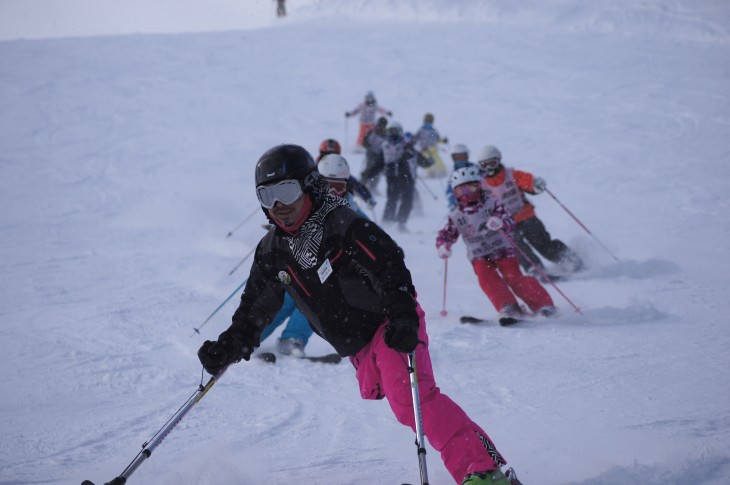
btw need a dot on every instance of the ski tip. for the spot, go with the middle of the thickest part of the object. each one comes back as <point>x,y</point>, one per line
<point>507,321</point>
<point>469,319</point>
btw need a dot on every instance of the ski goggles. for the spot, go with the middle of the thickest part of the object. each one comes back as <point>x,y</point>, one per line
<point>490,163</point>
<point>337,186</point>
<point>464,190</point>
<point>287,192</point>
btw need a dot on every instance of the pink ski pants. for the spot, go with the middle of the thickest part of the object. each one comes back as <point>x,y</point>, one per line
<point>383,372</point>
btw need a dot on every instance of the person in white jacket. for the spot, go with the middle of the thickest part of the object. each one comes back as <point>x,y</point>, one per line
<point>368,111</point>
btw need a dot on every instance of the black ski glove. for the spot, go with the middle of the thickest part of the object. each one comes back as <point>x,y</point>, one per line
<point>401,334</point>
<point>230,348</point>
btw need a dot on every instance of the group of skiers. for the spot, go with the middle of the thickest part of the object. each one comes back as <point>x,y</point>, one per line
<point>328,269</point>
<point>396,154</point>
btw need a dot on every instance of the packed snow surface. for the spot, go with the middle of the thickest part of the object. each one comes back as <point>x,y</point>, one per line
<point>128,136</point>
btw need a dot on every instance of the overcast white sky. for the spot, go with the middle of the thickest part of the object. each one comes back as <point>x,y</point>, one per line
<point>37,19</point>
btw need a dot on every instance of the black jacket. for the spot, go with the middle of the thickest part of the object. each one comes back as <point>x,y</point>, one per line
<point>368,282</point>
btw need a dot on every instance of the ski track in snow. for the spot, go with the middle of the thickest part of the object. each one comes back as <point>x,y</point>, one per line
<point>127,159</point>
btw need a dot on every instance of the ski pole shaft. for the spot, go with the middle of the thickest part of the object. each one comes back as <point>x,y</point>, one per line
<point>446,272</point>
<point>428,189</point>
<point>346,145</point>
<point>149,446</point>
<point>241,262</point>
<point>197,330</point>
<point>230,233</point>
<point>375,214</point>
<point>542,273</point>
<point>581,224</point>
<point>419,421</point>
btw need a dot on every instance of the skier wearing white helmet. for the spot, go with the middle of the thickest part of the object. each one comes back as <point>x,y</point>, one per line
<point>487,229</point>
<point>336,171</point>
<point>509,186</point>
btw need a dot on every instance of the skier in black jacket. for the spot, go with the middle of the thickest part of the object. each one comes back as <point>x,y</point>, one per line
<point>349,278</point>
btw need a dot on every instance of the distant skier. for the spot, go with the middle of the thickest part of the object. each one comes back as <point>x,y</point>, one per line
<point>373,144</point>
<point>354,186</point>
<point>400,158</point>
<point>368,110</point>
<point>509,186</point>
<point>350,279</point>
<point>281,8</point>
<point>479,221</point>
<point>428,138</point>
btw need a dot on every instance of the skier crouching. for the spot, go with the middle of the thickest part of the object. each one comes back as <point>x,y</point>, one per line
<point>486,226</point>
<point>349,278</point>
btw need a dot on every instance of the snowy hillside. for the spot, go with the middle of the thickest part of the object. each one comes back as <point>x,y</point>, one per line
<point>126,159</point>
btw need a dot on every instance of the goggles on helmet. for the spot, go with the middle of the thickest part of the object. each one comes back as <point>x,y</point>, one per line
<point>490,163</point>
<point>337,186</point>
<point>287,192</point>
<point>465,190</point>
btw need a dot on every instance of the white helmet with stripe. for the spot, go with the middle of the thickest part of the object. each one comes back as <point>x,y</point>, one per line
<point>465,175</point>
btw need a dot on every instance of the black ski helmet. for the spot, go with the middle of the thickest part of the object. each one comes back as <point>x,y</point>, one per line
<point>289,162</point>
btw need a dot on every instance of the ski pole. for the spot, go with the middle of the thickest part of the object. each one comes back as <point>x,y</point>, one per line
<point>581,224</point>
<point>230,233</point>
<point>542,273</point>
<point>428,189</point>
<point>346,145</point>
<point>149,446</point>
<point>446,271</point>
<point>375,214</point>
<point>241,262</point>
<point>197,330</point>
<point>419,422</point>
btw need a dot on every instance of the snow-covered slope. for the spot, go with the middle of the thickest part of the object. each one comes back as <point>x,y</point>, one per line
<point>125,161</point>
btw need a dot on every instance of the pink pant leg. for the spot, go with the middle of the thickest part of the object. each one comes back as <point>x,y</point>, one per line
<point>381,371</point>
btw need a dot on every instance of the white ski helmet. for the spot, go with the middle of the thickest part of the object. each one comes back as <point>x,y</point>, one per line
<point>489,152</point>
<point>334,166</point>
<point>465,175</point>
<point>460,149</point>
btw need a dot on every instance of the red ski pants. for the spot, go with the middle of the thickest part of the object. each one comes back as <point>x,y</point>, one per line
<point>383,372</point>
<point>501,278</point>
<point>364,129</point>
